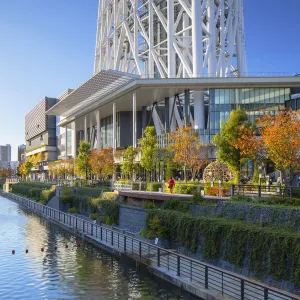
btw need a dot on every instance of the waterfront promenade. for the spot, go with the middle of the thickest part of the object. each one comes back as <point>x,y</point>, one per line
<point>200,279</point>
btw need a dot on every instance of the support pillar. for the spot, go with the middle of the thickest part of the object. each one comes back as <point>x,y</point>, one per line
<point>114,144</point>
<point>90,135</point>
<point>134,120</point>
<point>85,129</point>
<point>144,118</point>
<point>187,107</point>
<point>98,120</point>
<point>197,47</point>
<point>74,142</point>
<point>66,142</point>
<point>167,115</point>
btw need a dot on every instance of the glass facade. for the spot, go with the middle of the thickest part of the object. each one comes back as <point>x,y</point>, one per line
<point>255,101</point>
<point>107,131</point>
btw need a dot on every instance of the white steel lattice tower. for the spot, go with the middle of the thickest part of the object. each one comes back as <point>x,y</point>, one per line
<point>171,38</point>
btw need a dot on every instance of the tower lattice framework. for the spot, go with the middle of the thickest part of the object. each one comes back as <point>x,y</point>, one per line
<point>171,38</point>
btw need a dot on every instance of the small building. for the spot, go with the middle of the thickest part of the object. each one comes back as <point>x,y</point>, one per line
<point>40,136</point>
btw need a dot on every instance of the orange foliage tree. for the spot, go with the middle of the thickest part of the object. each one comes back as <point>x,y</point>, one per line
<point>280,135</point>
<point>185,143</point>
<point>102,162</point>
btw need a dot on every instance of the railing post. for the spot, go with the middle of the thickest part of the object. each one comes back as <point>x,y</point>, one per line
<point>266,294</point>
<point>101,233</point>
<point>232,190</point>
<point>125,243</point>
<point>158,257</point>
<point>259,191</point>
<point>206,277</point>
<point>178,265</point>
<point>242,289</point>
<point>140,249</point>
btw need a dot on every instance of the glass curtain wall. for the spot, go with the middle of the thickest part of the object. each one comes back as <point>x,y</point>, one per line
<point>107,131</point>
<point>255,101</point>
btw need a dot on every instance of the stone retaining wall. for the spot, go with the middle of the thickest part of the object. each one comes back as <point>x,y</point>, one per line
<point>132,218</point>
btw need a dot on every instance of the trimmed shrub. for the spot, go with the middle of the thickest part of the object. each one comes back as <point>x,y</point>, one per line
<point>176,204</point>
<point>35,193</point>
<point>111,211</point>
<point>73,210</point>
<point>89,192</point>
<point>154,186</point>
<point>95,216</point>
<point>108,196</point>
<point>149,205</point>
<point>66,194</point>
<point>46,195</point>
<point>185,188</point>
<point>218,191</point>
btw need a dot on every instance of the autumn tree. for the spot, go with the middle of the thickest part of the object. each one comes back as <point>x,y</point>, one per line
<point>27,167</point>
<point>129,165</point>
<point>65,168</point>
<point>83,165</point>
<point>187,149</point>
<point>149,155</point>
<point>53,169</point>
<point>280,135</point>
<point>102,162</point>
<point>225,141</point>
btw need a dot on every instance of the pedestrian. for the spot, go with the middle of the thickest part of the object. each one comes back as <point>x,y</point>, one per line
<point>171,184</point>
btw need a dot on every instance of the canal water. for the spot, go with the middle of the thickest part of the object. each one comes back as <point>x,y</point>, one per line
<point>74,272</point>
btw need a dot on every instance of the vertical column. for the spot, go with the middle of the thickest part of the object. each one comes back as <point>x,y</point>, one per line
<point>74,142</point>
<point>85,129</point>
<point>66,144</point>
<point>199,113</point>
<point>98,118</point>
<point>187,107</point>
<point>114,128</point>
<point>144,118</point>
<point>151,36</point>
<point>170,34</point>
<point>134,120</point>
<point>212,60</point>
<point>167,115</point>
<point>90,135</point>
<point>185,24</point>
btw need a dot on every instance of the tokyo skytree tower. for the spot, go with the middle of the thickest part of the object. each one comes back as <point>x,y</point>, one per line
<point>171,38</point>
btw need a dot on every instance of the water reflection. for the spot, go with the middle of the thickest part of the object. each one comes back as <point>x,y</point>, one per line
<point>66,273</point>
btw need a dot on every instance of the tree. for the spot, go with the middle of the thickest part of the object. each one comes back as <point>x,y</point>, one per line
<point>53,169</point>
<point>187,148</point>
<point>27,167</point>
<point>102,162</point>
<point>129,165</point>
<point>149,149</point>
<point>280,135</point>
<point>229,134</point>
<point>83,165</point>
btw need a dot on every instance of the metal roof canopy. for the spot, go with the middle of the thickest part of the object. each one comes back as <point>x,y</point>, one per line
<point>109,86</point>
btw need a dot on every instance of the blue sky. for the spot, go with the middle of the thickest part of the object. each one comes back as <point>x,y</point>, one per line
<point>47,46</point>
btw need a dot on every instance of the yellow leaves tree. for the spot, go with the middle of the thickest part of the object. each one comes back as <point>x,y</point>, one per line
<point>102,162</point>
<point>185,143</point>
<point>280,135</point>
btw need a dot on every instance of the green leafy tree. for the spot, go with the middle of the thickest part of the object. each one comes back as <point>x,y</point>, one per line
<point>149,149</point>
<point>129,165</point>
<point>229,134</point>
<point>83,166</point>
<point>27,168</point>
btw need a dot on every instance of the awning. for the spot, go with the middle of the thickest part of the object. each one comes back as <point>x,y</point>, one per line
<point>100,85</point>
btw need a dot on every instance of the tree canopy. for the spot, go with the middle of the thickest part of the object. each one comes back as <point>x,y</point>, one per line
<point>83,166</point>
<point>231,131</point>
<point>102,162</point>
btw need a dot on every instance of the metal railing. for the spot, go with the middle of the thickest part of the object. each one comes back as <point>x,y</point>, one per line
<point>211,278</point>
<point>265,190</point>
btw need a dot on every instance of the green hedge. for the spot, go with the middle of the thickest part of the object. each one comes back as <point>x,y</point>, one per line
<point>271,200</point>
<point>66,195</point>
<point>111,211</point>
<point>89,192</point>
<point>155,186</point>
<point>271,251</point>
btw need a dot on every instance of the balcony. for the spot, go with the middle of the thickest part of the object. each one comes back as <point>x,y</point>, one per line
<point>43,148</point>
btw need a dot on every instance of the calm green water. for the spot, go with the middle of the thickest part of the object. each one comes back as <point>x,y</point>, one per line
<point>65,273</point>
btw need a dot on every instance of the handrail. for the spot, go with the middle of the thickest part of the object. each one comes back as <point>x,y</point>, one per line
<point>214,278</point>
